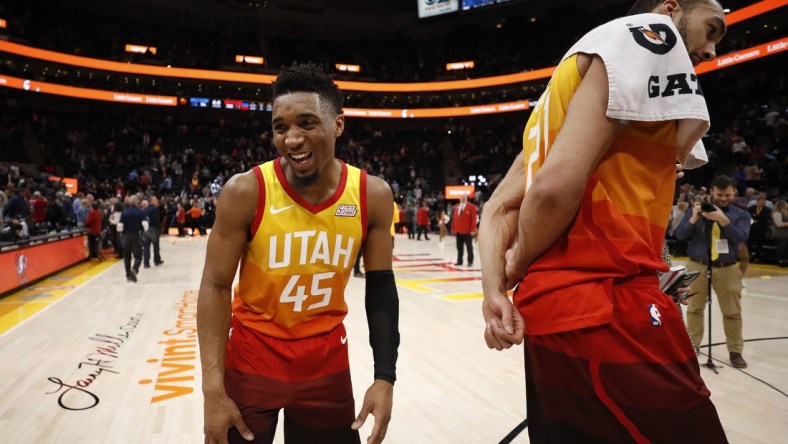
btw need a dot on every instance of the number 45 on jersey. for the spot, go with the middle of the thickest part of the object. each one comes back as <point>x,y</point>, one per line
<point>297,293</point>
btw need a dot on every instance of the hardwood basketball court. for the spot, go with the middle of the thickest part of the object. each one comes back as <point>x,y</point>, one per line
<point>90,358</point>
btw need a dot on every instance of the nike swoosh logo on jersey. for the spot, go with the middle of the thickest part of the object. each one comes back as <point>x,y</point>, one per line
<point>279,210</point>
<point>343,339</point>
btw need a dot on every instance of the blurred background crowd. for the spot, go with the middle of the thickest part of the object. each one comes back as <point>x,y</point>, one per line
<point>183,156</point>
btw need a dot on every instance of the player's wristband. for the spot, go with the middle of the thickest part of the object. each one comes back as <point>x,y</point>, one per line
<point>382,306</point>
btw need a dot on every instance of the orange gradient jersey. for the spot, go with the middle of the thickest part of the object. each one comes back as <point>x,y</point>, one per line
<point>620,225</point>
<point>300,257</point>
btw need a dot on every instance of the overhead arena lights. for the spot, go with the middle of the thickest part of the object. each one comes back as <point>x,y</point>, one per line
<point>249,60</point>
<point>725,61</point>
<point>140,49</point>
<point>347,68</point>
<point>739,15</point>
<point>86,93</point>
<point>453,66</point>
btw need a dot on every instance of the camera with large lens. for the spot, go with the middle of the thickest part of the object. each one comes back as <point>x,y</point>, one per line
<point>707,207</point>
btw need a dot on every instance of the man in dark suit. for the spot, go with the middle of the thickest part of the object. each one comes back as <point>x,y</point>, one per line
<point>463,225</point>
<point>132,224</point>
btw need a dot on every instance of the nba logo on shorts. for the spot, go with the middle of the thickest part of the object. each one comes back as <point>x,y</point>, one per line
<point>655,315</point>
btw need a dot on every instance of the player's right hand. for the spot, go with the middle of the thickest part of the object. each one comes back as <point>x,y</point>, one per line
<point>221,413</point>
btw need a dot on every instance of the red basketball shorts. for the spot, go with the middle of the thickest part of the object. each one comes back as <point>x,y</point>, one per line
<point>308,378</point>
<point>635,379</point>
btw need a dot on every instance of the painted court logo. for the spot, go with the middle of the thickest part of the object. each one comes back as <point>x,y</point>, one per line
<point>102,358</point>
<point>21,267</point>
<point>346,211</point>
<point>657,38</point>
<point>177,363</point>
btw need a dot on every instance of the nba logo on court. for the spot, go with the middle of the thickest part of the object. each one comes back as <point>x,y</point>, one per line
<point>655,315</point>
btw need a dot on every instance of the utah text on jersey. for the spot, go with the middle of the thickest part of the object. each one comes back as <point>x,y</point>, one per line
<point>296,245</point>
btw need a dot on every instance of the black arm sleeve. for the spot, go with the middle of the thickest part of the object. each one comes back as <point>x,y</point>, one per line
<point>382,306</point>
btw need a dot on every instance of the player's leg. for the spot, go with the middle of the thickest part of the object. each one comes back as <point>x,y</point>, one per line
<point>256,380</point>
<point>538,430</point>
<point>323,408</point>
<point>634,379</point>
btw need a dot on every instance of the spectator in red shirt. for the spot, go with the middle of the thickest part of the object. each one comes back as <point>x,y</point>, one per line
<point>463,224</point>
<point>93,225</point>
<point>38,207</point>
<point>423,221</point>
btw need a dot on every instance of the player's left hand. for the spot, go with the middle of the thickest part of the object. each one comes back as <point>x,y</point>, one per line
<point>504,325</point>
<point>679,171</point>
<point>378,401</point>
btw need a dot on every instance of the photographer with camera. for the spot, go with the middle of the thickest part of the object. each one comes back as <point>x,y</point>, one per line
<point>730,226</point>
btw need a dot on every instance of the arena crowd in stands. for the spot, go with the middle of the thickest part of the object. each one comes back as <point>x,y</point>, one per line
<point>195,38</point>
<point>185,158</point>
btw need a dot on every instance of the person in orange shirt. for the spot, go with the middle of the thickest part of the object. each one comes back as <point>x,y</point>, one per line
<point>578,224</point>
<point>296,225</point>
<point>195,218</point>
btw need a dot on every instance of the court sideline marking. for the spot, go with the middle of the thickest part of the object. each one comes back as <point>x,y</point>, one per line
<point>24,304</point>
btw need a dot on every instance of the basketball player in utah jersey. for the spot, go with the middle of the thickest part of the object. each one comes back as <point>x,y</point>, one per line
<point>578,224</point>
<point>296,224</point>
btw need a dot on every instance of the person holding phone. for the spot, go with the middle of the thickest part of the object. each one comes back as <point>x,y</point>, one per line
<point>730,226</point>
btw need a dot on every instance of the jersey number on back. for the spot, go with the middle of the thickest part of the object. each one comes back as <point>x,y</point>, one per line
<point>299,296</point>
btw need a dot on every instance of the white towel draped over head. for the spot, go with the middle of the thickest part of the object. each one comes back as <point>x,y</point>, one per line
<point>651,78</point>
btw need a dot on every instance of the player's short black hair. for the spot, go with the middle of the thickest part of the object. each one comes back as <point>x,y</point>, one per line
<point>308,77</point>
<point>645,6</point>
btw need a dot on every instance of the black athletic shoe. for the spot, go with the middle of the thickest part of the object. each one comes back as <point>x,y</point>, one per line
<point>158,263</point>
<point>131,278</point>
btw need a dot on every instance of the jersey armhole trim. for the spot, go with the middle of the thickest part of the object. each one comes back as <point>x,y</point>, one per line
<point>258,215</point>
